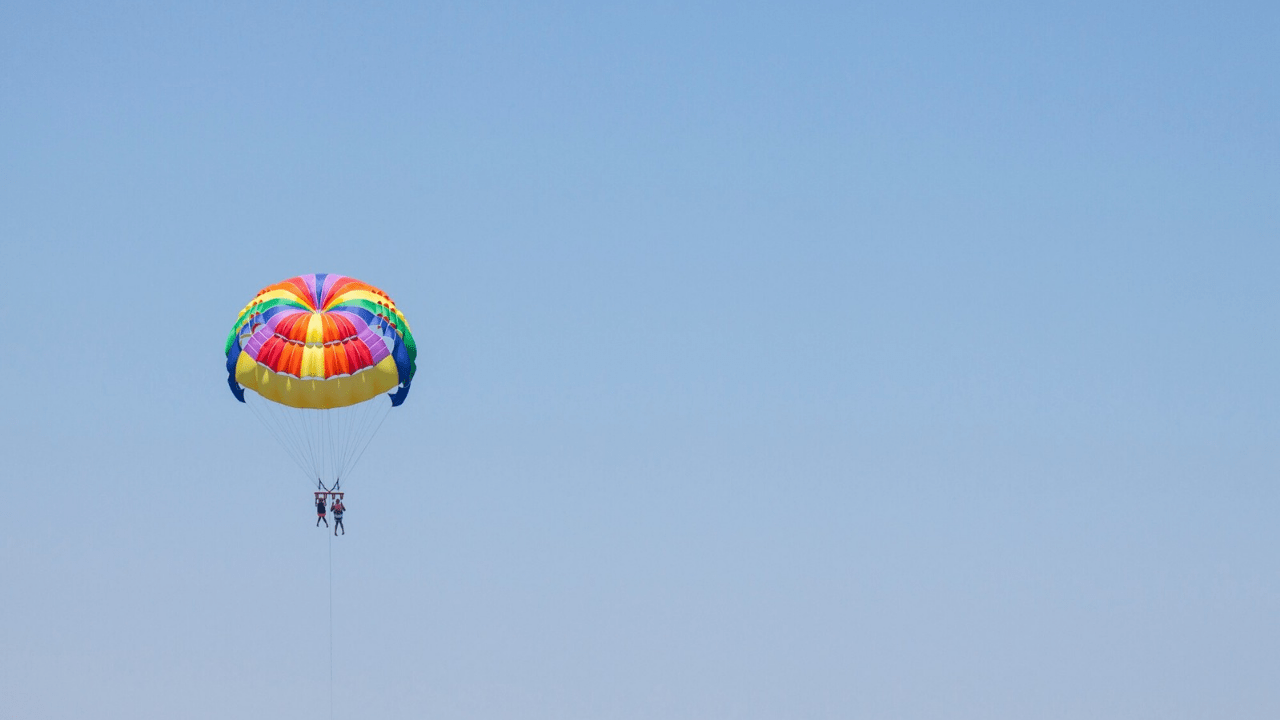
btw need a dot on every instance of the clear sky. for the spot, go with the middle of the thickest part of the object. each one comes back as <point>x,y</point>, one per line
<point>778,360</point>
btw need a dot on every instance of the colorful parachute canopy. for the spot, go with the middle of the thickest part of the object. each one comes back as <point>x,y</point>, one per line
<point>321,355</point>
<point>321,341</point>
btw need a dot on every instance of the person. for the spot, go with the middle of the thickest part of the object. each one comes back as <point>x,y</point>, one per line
<point>338,509</point>
<point>320,510</point>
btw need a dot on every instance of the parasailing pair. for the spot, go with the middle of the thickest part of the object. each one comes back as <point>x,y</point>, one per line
<point>321,360</point>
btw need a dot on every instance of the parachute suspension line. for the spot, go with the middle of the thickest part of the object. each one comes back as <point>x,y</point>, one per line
<point>317,458</point>
<point>305,433</point>
<point>369,439</point>
<point>336,438</point>
<point>276,431</point>
<point>359,427</point>
<point>373,422</point>
<point>325,444</point>
<point>357,416</point>
<point>283,432</point>
<point>315,419</point>
<point>325,419</point>
<point>287,428</point>
<point>296,430</point>
<point>381,418</point>
<point>301,424</point>
<point>310,434</point>
<point>344,437</point>
<point>356,430</point>
<point>298,421</point>
<point>253,407</point>
<point>330,421</point>
<point>313,434</point>
<point>350,434</point>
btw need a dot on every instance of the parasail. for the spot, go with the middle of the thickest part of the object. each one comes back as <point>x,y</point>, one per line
<point>321,359</point>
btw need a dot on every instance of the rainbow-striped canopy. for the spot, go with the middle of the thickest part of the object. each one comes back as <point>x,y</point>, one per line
<point>321,341</point>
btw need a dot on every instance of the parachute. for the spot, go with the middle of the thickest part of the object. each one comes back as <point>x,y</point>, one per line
<point>321,360</point>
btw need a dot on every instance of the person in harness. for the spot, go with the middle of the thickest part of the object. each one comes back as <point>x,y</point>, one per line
<point>338,509</point>
<point>320,511</point>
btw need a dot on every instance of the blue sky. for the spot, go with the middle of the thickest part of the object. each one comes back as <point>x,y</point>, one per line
<point>898,360</point>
